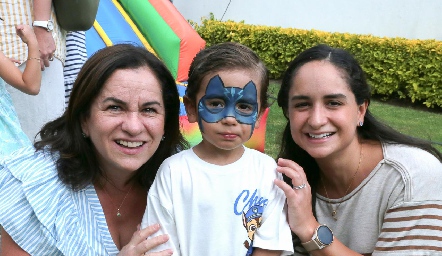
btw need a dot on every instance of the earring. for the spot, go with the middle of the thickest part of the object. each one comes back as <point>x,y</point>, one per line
<point>162,138</point>
<point>84,135</point>
<point>361,123</point>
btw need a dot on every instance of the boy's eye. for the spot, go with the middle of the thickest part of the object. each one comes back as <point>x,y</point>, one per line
<point>214,104</point>
<point>245,108</point>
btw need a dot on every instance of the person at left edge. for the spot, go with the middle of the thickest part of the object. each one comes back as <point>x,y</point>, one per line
<point>34,111</point>
<point>11,135</point>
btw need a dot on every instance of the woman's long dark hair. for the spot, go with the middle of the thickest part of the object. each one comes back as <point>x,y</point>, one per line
<point>76,160</point>
<point>371,130</point>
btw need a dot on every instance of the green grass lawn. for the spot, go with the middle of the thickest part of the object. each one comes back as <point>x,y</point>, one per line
<point>417,123</point>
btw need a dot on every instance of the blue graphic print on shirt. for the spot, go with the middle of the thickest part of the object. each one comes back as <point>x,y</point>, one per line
<point>251,212</point>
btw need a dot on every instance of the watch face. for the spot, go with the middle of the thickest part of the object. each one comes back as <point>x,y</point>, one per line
<point>325,235</point>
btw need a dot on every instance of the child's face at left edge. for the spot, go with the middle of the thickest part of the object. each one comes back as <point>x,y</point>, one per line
<point>227,107</point>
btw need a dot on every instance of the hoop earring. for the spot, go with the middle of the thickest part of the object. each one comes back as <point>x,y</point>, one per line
<point>361,123</point>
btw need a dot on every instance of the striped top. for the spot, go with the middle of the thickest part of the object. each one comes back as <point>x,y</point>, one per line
<point>396,210</point>
<point>43,216</point>
<point>76,56</point>
<point>15,12</point>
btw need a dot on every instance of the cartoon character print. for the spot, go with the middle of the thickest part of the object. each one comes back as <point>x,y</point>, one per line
<point>252,221</point>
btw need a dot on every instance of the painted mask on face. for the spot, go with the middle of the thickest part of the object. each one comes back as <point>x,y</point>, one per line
<point>220,102</point>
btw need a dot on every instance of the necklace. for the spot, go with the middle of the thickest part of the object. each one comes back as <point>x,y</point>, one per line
<point>118,208</point>
<point>334,211</point>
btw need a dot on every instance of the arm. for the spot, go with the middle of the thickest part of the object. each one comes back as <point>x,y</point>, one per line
<point>414,219</point>
<point>42,12</point>
<point>9,247</point>
<point>273,235</point>
<point>300,213</point>
<point>29,82</point>
<point>155,214</point>
<point>159,210</point>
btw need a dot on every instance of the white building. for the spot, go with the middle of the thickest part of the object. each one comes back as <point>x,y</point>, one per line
<point>413,19</point>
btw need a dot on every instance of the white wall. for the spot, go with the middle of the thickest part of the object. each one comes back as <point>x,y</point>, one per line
<point>413,19</point>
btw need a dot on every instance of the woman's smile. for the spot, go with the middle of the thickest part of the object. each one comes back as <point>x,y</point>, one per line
<point>130,144</point>
<point>126,123</point>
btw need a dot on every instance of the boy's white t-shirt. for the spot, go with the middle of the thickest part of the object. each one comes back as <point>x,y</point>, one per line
<point>208,209</point>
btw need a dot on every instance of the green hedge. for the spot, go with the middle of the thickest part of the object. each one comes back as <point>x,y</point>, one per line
<point>395,67</point>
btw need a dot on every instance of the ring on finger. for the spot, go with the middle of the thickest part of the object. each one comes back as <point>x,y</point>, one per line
<point>303,185</point>
<point>51,58</point>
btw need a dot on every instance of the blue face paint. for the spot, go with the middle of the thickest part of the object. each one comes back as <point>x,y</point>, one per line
<point>220,102</point>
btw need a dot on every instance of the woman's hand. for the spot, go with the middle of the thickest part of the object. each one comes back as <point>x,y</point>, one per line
<point>299,201</point>
<point>139,244</point>
<point>46,45</point>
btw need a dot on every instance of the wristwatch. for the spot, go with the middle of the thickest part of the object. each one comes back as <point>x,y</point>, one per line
<point>48,24</point>
<point>322,238</point>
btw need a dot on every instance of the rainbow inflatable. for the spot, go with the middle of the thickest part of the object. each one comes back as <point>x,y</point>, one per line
<point>158,26</point>
<point>155,24</point>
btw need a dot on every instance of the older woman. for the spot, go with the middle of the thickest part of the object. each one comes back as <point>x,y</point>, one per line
<point>82,189</point>
<point>359,187</point>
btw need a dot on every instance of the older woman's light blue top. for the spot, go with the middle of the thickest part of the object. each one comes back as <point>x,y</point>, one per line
<point>44,216</point>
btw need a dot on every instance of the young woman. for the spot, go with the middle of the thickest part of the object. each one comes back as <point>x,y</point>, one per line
<point>359,187</point>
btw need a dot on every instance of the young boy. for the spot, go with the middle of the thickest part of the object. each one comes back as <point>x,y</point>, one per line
<point>219,197</point>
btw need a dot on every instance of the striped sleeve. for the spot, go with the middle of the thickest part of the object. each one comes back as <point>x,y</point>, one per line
<point>412,229</point>
<point>36,209</point>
